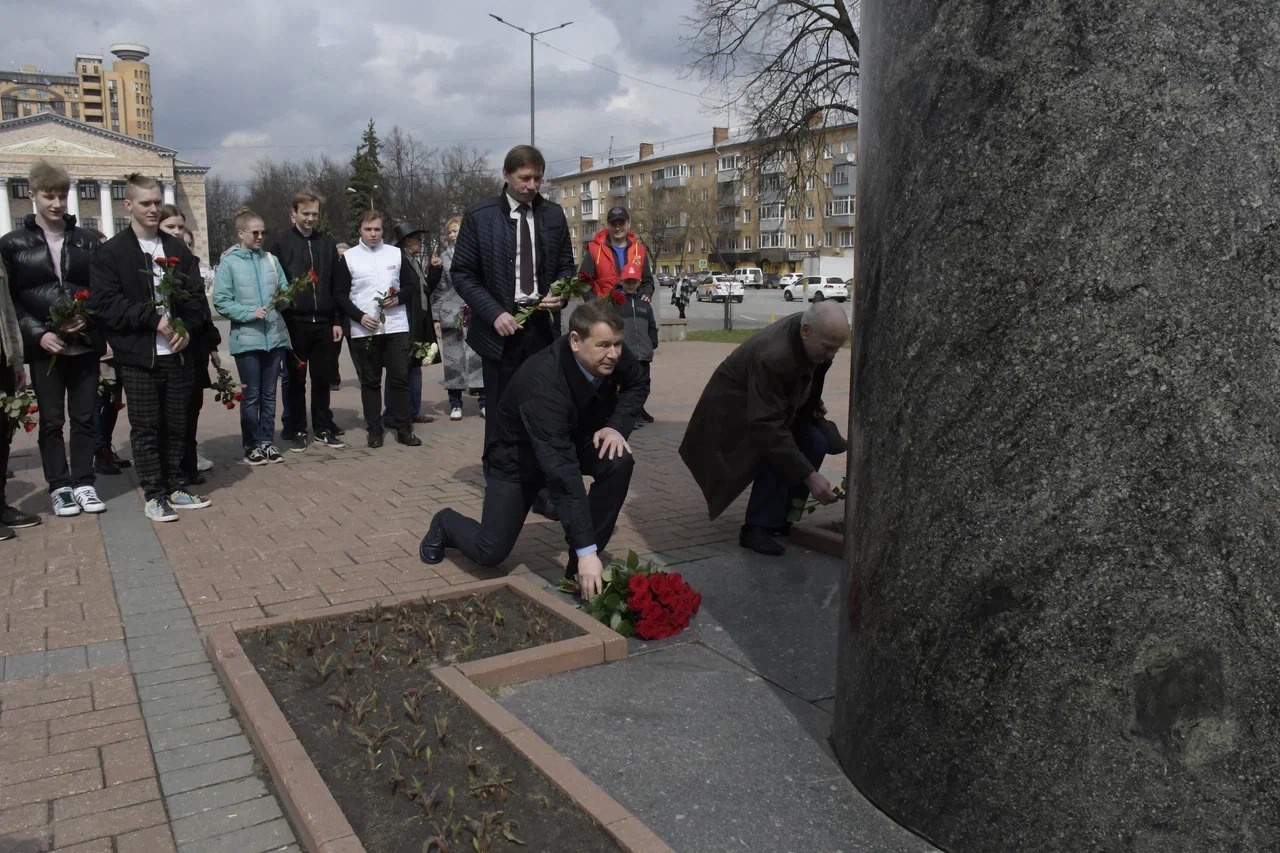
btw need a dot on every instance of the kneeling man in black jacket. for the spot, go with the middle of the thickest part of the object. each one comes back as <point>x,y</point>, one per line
<point>567,412</point>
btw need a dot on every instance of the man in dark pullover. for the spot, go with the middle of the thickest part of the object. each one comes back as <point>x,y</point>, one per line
<point>314,322</point>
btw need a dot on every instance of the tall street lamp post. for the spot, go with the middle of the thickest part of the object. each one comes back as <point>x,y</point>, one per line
<point>530,35</point>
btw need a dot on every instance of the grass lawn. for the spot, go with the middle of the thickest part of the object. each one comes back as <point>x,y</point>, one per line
<point>721,336</point>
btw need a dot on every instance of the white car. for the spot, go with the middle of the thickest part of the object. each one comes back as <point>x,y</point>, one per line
<point>815,288</point>
<point>718,288</point>
<point>789,279</point>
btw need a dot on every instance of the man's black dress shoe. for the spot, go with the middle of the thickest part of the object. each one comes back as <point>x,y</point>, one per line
<point>758,539</point>
<point>432,548</point>
<point>407,438</point>
<point>375,438</point>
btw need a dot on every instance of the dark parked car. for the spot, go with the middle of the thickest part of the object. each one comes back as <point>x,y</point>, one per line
<point>771,280</point>
<point>665,280</point>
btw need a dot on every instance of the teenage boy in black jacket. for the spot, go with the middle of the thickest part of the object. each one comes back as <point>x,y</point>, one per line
<point>315,324</point>
<point>566,413</point>
<point>148,342</point>
<point>47,257</point>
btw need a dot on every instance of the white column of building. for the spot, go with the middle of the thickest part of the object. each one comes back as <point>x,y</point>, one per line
<point>73,199</point>
<point>167,186</point>
<point>107,224</point>
<point>6,219</point>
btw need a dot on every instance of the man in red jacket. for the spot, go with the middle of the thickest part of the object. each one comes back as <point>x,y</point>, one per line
<point>612,249</point>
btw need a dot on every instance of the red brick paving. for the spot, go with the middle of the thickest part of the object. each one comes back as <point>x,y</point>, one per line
<point>326,527</point>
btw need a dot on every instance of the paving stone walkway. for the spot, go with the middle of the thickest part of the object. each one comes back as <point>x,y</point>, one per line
<point>114,734</point>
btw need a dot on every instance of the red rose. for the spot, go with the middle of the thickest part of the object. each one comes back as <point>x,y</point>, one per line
<point>391,291</point>
<point>302,365</point>
<point>163,262</point>
<point>619,298</point>
<point>638,584</point>
<point>583,275</point>
<point>32,409</point>
<point>638,601</point>
<point>311,274</point>
<point>230,405</point>
<point>173,261</point>
<point>238,396</point>
<point>119,406</point>
<point>651,611</point>
<point>29,426</point>
<point>82,295</point>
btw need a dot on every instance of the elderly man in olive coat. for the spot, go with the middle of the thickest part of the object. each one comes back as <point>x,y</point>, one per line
<point>755,423</point>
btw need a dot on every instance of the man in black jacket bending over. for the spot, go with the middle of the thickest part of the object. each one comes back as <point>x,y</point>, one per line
<point>567,412</point>
<point>315,324</point>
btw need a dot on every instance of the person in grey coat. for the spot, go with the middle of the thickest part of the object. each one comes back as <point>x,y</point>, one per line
<point>462,369</point>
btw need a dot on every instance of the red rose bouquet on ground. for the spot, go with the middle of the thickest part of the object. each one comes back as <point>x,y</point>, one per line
<point>20,409</point>
<point>638,599</point>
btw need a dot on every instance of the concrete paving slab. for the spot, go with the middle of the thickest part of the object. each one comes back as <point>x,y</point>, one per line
<point>705,753</point>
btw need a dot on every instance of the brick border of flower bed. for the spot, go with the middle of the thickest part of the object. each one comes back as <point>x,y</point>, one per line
<point>823,541</point>
<point>316,816</point>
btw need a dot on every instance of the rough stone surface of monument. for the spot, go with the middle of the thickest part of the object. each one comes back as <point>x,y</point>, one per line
<point>1062,626</point>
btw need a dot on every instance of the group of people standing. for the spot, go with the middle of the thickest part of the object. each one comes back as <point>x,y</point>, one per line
<point>556,407</point>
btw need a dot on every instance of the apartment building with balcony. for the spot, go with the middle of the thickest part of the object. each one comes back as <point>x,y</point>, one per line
<point>700,207</point>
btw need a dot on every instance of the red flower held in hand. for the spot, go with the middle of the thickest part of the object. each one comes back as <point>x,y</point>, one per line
<point>239,396</point>
<point>583,275</point>
<point>163,262</point>
<point>315,279</point>
<point>173,261</point>
<point>619,298</point>
<point>32,409</point>
<point>29,426</point>
<point>81,295</point>
<point>230,405</point>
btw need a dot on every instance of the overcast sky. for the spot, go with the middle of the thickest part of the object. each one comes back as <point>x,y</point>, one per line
<point>234,81</point>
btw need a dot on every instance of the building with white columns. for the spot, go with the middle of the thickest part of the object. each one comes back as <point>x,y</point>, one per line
<point>98,161</point>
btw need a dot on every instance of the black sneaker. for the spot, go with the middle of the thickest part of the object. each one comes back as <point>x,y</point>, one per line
<point>14,517</point>
<point>6,533</point>
<point>104,463</point>
<point>272,454</point>
<point>297,444</point>
<point>329,440</point>
<point>335,384</point>
<point>407,438</point>
<point>255,456</point>
<point>339,431</point>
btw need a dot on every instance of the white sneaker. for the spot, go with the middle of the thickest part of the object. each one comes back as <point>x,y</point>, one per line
<point>87,498</point>
<point>482,411</point>
<point>64,503</point>
<point>203,463</point>
<point>455,414</point>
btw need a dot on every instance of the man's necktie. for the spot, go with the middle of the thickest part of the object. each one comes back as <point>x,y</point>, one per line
<point>527,288</point>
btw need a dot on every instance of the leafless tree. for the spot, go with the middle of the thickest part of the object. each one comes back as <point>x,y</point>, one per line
<point>221,200</point>
<point>660,219</point>
<point>789,66</point>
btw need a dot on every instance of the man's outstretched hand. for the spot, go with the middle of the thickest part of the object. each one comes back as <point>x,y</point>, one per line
<point>589,570</point>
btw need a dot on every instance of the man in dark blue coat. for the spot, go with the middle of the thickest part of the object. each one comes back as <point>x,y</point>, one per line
<point>509,251</point>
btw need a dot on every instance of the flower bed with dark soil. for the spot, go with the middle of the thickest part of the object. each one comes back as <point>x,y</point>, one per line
<point>413,769</point>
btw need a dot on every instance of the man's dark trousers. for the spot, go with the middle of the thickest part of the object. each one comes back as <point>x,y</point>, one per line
<point>524,343</point>
<point>373,355</point>
<point>159,405</point>
<point>507,503</point>
<point>771,496</point>
<point>66,389</point>
<point>312,343</point>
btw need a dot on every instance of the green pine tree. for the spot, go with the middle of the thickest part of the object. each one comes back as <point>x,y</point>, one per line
<point>366,184</point>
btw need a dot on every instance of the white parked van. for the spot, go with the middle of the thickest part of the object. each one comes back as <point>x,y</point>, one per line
<point>750,276</point>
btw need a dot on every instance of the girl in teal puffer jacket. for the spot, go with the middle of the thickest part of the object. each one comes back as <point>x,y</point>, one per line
<point>244,292</point>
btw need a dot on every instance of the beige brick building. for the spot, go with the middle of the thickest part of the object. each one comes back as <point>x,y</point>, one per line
<point>700,208</point>
<point>98,160</point>
<point>116,98</point>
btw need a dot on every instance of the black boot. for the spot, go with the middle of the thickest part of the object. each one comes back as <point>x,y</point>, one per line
<point>375,437</point>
